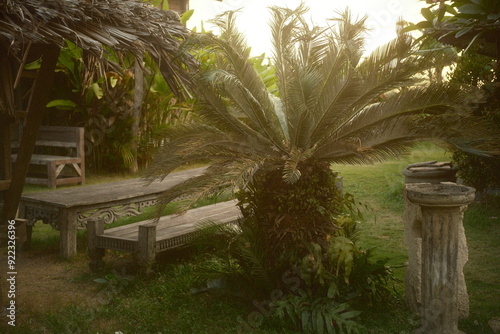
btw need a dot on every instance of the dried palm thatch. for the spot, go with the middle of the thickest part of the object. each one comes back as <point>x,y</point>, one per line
<point>95,25</point>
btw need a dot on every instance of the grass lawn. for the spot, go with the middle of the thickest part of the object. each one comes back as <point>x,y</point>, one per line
<point>165,303</point>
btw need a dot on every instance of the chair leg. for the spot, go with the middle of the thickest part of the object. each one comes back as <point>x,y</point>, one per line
<point>51,174</point>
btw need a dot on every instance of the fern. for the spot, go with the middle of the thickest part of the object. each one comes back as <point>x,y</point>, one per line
<point>316,314</point>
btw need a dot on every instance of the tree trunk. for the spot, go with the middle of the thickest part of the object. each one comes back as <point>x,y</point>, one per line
<point>36,108</point>
<point>136,114</point>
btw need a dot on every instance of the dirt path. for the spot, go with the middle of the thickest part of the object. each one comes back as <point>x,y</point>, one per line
<point>44,283</point>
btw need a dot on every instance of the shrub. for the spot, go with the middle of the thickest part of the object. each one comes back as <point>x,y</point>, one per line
<point>307,229</point>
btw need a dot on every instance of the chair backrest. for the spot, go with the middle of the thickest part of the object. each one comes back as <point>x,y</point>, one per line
<point>54,136</point>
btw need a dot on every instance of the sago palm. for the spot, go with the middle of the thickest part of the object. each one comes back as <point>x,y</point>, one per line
<point>333,105</point>
<point>275,149</point>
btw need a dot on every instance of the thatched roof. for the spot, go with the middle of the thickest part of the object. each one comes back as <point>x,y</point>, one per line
<point>94,25</point>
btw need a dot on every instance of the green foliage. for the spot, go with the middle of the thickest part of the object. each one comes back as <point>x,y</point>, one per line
<point>304,228</point>
<point>480,172</point>
<point>101,101</point>
<point>475,70</point>
<point>273,148</point>
<point>316,315</point>
<point>114,282</point>
<point>321,101</point>
<point>460,18</point>
<point>168,301</point>
<point>235,255</point>
<point>290,216</point>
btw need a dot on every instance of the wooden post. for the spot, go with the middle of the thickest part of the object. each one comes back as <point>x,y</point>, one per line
<point>80,152</point>
<point>94,229</point>
<point>36,107</point>
<point>67,226</point>
<point>147,247</point>
<point>5,165</point>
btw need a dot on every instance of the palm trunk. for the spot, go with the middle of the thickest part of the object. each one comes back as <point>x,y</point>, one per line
<point>290,216</point>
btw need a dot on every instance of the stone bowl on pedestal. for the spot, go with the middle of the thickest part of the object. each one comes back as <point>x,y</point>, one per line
<point>430,172</point>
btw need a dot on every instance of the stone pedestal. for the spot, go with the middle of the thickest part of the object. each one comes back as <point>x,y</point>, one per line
<point>441,208</point>
<point>428,172</point>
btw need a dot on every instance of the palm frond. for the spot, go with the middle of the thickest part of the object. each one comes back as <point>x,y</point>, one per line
<point>240,80</point>
<point>331,106</point>
<point>224,176</point>
<point>349,33</point>
<point>433,99</point>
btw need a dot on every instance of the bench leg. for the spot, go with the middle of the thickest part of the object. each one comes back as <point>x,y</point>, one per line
<point>67,221</point>
<point>94,229</point>
<point>29,226</point>
<point>147,248</point>
<point>21,233</point>
<point>29,233</point>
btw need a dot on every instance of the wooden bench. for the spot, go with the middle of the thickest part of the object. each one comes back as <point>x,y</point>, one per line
<point>70,209</point>
<point>147,238</point>
<point>67,144</point>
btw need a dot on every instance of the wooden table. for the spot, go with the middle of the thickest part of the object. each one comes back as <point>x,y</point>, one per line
<point>69,209</point>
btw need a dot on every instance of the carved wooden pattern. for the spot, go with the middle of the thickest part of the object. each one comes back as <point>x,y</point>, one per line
<point>116,244</point>
<point>33,214</point>
<point>110,215</point>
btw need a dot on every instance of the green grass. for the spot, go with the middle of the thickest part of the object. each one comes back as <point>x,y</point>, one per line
<point>165,304</point>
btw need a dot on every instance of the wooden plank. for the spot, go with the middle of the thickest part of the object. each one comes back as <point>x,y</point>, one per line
<point>42,159</point>
<point>101,195</point>
<point>221,212</point>
<point>77,169</point>
<point>59,169</point>
<point>59,134</point>
<point>196,214</point>
<point>129,231</point>
<point>60,181</point>
<point>52,143</point>
<point>15,144</point>
<point>174,225</point>
<point>38,101</point>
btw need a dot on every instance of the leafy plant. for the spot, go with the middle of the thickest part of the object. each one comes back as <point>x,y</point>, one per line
<point>316,315</point>
<point>472,19</point>
<point>332,105</point>
<point>478,70</point>
<point>274,149</point>
<point>114,283</point>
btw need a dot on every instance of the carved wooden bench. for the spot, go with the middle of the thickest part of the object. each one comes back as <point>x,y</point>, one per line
<point>68,146</point>
<point>147,238</point>
<point>70,209</point>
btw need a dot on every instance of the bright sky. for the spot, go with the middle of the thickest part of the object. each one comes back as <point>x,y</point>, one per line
<point>254,17</point>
